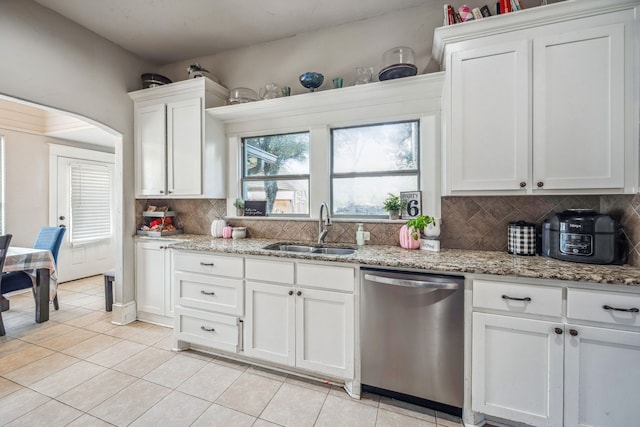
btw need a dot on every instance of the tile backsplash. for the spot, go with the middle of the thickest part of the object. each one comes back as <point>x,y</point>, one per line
<point>470,222</point>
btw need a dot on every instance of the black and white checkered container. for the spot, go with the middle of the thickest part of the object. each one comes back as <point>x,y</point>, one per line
<point>522,238</point>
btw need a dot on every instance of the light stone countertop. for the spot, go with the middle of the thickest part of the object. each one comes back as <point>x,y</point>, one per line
<point>448,260</point>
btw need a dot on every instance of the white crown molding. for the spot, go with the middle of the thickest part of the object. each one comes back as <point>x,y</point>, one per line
<point>422,88</point>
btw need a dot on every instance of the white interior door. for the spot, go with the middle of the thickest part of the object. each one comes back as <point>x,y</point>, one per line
<point>80,254</point>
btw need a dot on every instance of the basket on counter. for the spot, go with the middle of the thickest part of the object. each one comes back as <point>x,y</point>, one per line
<point>151,226</point>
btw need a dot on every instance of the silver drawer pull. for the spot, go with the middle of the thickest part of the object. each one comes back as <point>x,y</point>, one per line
<point>207,293</point>
<point>207,264</point>
<point>527,299</point>
<point>204,328</point>
<point>629,310</point>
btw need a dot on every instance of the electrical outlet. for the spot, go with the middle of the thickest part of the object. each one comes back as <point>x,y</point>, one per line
<point>367,235</point>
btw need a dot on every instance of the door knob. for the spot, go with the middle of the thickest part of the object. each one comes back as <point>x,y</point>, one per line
<point>290,292</point>
<point>62,217</point>
<point>540,184</point>
<point>558,331</point>
<point>523,184</point>
<point>573,332</point>
<point>299,293</point>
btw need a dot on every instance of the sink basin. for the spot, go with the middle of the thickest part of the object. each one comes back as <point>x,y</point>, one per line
<point>333,251</point>
<point>292,248</point>
<point>285,247</point>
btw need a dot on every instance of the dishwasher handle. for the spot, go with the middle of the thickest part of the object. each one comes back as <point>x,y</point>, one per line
<point>411,283</point>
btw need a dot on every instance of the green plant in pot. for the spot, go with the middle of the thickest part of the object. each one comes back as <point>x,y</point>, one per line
<point>411,232</point>
<point>239,204</point>
<point>392,204</point>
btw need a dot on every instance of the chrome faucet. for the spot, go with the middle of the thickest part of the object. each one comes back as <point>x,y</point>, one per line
<point>322,225</point>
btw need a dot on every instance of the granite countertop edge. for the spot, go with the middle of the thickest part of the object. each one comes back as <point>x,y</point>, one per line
<point>447,260</point>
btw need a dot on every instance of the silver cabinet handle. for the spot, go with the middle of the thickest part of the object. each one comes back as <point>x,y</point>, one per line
<point>207,264</point>
<point>411,283</point>
<point>527,299</point>
<point>628,310</point>
<point>207,293</point>
<point>204,328</point>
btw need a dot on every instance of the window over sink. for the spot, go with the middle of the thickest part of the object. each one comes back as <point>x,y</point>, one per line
<point>369,162</point>
<point>276,169</point>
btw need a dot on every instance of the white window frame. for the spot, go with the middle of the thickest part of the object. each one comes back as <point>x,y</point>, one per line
<point>378,174</point>
<point>423,107</point>
<point>244,178</point>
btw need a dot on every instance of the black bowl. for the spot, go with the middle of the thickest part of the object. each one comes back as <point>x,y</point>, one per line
<point>153,80</point>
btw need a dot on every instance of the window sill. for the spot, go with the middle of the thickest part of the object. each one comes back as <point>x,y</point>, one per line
<point>333,219</point>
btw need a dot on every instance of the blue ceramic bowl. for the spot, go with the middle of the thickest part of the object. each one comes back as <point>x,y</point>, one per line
<point>311,80</point>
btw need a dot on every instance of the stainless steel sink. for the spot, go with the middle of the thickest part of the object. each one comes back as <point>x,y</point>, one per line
<point>333,251</point>
<point>291,248</point>
<point>286,247</point>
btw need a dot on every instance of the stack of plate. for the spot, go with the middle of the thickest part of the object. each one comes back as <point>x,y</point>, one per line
<point>398,62</point>
<point>153,80</point>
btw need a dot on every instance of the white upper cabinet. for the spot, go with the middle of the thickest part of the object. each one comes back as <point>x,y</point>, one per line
<point>542,101</point>
<point>578,106</point>
<point>489,117</point>
<point>179,152</point>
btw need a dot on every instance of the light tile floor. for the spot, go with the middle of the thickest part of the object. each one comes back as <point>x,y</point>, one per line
<point>78,369</point>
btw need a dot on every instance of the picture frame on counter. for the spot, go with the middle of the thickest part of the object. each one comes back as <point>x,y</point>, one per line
<point>411,204</point>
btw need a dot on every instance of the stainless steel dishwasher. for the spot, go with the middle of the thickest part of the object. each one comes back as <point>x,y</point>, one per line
<point>412,337</point>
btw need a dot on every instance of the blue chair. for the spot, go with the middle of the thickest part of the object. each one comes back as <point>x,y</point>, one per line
<point>49,238</point>
<point>4,245</point>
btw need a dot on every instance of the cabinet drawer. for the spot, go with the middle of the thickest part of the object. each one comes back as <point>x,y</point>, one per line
<point>517,298</point>
<point>208,264</point>
<point>211,293</point>
<point>326,276</point>
<point>269,270</point>
<point>208,329</point>
<point>600,306</point>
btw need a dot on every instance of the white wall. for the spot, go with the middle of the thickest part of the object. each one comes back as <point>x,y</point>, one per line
<point>333,52</point>
<point>26,185</point>
<point>51,61</point>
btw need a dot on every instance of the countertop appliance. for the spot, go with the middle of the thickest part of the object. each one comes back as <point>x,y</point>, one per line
<point>583,235</point>
<point>412,337</point>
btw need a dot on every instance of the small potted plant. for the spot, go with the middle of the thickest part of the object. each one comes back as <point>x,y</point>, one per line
<point>239,204</point>
<point>392,204</point>
<point>414,233</point>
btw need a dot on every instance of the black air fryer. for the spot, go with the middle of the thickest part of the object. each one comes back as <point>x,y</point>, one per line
<point>583,235</point>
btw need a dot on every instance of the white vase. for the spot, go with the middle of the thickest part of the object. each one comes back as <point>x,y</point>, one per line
<point>432,231</point>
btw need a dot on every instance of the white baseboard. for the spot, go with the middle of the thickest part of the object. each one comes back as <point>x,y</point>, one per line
<point>123,314</point>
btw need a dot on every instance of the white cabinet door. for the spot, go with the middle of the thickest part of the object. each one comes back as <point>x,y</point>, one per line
<point>602,376</point>
<point>184,147</point>
<point>578,109</point>
<point>150,277</point>
<point>270,322</point>
<point>150,146</point>
<point>517,369</point>
<point>490,118</point>
<point>325,332</point>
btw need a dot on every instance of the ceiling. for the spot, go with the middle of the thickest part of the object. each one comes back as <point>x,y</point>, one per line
<point>166,31</point>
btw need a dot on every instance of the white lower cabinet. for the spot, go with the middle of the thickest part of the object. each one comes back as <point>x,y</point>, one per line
<point>517,369</point>
<point>298,325</point>
<point>602,377</point>
<point>154,296</point>
<point>575,368</point>
<point>307,328</point>
<point>270,319</point>
<point>209,292</point>
<point>294,314</point>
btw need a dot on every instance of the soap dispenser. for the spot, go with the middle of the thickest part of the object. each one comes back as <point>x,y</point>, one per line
<point>360,235</point>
